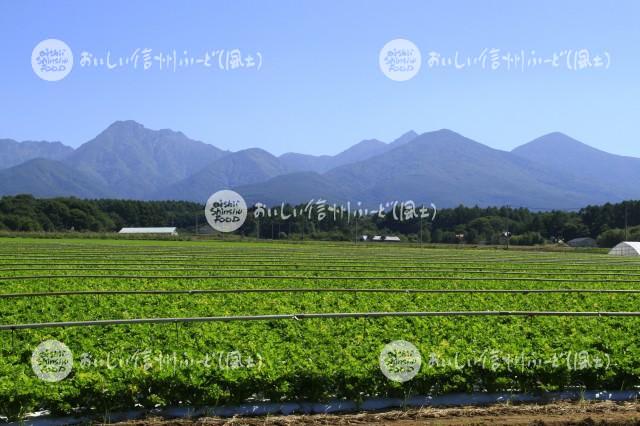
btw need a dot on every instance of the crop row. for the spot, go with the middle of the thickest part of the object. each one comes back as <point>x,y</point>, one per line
<point>123,366</point>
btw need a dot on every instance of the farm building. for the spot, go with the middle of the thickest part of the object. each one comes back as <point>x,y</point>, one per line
<point>582,242</point>
<point>388,238</point>
<point>626,248</point>
<point>162,231</point>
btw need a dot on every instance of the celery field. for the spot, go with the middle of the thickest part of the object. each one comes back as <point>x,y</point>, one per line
<point>216,363</point>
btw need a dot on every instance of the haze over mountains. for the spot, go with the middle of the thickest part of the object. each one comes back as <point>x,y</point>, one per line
<point>127,160</point>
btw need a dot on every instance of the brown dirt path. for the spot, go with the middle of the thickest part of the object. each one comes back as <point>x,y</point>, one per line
<point>557,414</point>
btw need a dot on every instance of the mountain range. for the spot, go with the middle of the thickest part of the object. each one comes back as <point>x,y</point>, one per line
<point>128,160</point>
<point>13,153</point>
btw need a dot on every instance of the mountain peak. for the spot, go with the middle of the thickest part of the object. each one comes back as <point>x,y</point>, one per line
<point>404,138</point>
<point>367,142</point>
<point>446,132</point>
<point>360,151</point>
<point>254,152</point>
<point>135,161</point>
<point>440,135</point>
<point>556,135</point>
<point>559,143</point>
<point>125,124</point>
<point>132,127</point>
<point>121,130</point>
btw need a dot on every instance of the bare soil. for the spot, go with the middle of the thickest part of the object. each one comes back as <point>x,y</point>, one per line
<point>556,414</point>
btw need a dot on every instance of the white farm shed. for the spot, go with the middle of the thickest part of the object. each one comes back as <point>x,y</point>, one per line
<point>626,248</point>
<point>162,231</point>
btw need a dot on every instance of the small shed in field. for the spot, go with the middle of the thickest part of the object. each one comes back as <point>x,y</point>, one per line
<point>626,248</point>
<point>582,242</point>
<point>150,231</point>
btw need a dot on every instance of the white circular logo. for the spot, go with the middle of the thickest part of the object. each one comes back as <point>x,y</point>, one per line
<point>52,361</point>
<point>400,361</point>
<point>52,59</point>
<point>226,211</point>
<point>400,60</point>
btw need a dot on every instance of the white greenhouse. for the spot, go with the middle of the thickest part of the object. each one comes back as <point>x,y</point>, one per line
<point>626,248</point>
<point>166,230</point>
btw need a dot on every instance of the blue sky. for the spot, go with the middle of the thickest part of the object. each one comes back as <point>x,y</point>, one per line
<point>320,88</point>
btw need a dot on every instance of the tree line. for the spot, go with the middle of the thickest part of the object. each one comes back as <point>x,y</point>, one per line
<point>608,223</point>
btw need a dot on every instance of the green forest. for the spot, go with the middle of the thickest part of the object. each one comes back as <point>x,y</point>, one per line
<point>608,223</point>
